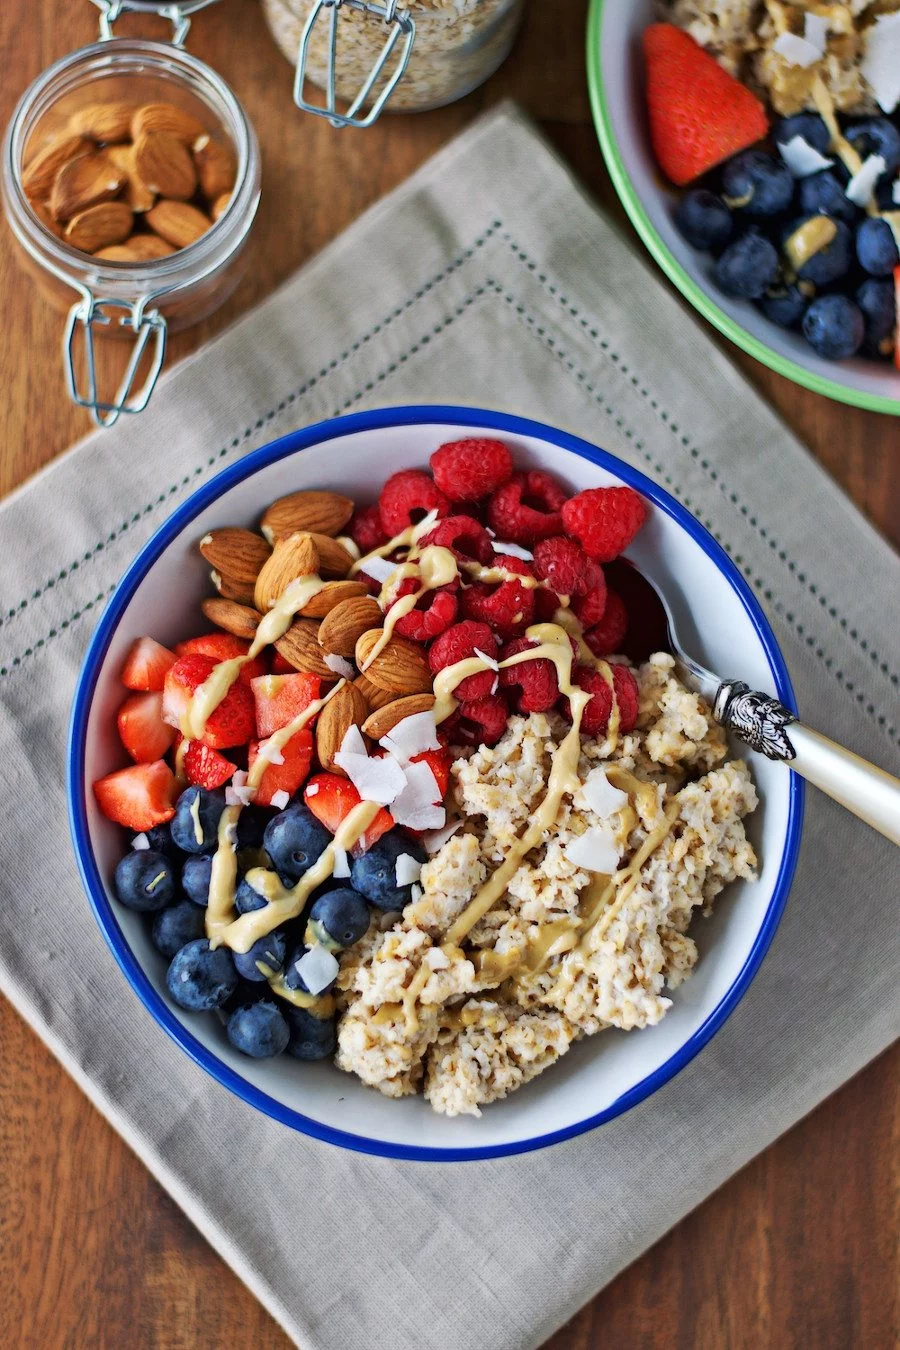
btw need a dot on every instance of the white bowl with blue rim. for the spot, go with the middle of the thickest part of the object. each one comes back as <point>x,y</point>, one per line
<point>601,1076</point>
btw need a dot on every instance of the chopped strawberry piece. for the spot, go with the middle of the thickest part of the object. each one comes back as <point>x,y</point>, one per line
<point>139,797</point>
<point>439,762</point>
<point>289,776</point>
<point>281,698</point>
<point>205,767</point>
<point>144,734</point>
<point>331,799</point>
<point>224,647</point>
<point>146,665</point>
<point>233,722</point>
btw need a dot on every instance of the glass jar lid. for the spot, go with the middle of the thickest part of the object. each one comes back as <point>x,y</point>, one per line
<point>178,13</point>
<point>400,33</point>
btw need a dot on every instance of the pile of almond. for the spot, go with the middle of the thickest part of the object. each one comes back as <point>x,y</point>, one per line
<point>128,182</point>
<point>336,632</point>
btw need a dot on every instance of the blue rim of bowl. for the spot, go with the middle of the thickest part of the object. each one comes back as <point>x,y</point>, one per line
<point>95,888</point>
<point>692,290</point>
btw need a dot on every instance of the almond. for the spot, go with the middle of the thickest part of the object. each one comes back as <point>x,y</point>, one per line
<point>375,697</point>
<point>401,668</point>
<point>220,206</point>
<point>103,121</point>
<point>166,117</point>
<point>137,194</point>
<point>344,625</point>
<point>332,594</point>
<point>42,211</point>
<point>40,172</point>
<point>319,512</point>
<point>291,558</point>
<point>239,591</point>
<point>346,709</point>
<point>177,222</point>
<point>300,646</point>
<point>239,620</point>
<point>334,559</point>
<point>84,182</point>
<point>237,554</point>
<point>99,226</point>
<point>164,163</point>
<point>216,166</point>
<point>137,248</point>
<point>383,720</point>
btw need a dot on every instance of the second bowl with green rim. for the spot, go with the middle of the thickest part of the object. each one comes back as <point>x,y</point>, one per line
<point>615,80</point>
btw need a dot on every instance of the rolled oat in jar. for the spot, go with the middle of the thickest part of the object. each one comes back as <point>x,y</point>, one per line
<point>456,45</point>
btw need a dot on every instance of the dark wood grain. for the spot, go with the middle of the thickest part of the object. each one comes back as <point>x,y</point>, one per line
<point>799,1249</point>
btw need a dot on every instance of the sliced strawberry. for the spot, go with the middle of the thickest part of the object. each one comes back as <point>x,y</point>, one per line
<point>224,647</point>
<point>139,797</point>
<point>233,722</point>
<point>146,665</point>
<point>281,698</point>
<point>205,767</point>
<point>289,776</point>
<point>144,734</point>
<point>331,799</point>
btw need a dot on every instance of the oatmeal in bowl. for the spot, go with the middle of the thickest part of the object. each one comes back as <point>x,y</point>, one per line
<point>421,814</point>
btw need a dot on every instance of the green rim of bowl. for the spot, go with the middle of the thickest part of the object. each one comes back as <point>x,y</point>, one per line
<point>673,269</point>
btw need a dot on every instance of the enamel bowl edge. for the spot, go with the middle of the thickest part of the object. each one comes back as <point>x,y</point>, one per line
<point>601,1076</point>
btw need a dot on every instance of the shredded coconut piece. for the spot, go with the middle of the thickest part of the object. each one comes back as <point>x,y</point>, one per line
<point>815,32</point>
<point>514,550</point>
<point>434,840</point>
<point>881,63</point>
<point>415,806</point>
<point>797,51</point>
<point>488,660</point>
<point>802,158</point>
<point>599,794</point>
<point>280,799</point>
<point>140,842</point>
<point>379,569</point>
<point>412,736</point>
<point>341,862</point>
<point>595,850</point>
<point>311,791</point>
<point>317,968</point>
<point>340,665</point>
<point>862,184</point>
<point>408,869</point>
<point>376,780</point>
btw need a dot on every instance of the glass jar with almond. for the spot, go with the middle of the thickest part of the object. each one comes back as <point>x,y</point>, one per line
<point>130,181</point>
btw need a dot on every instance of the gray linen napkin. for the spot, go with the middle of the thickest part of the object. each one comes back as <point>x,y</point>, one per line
<point>487,279</point>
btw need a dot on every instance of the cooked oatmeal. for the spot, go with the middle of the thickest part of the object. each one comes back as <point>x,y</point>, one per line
<point>566,950</point>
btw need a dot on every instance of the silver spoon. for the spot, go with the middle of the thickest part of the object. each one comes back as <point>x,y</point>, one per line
<point>768,727</point>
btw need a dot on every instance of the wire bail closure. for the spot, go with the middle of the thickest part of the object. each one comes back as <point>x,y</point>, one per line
<point>402,26</point>
<point>178,15</point>
<point>147,325</point>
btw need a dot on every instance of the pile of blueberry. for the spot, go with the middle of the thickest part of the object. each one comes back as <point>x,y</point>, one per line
<point>169,882</point>
<point>843,296</point>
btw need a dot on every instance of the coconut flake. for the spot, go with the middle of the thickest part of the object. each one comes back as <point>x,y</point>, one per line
<point>350,545</point>
<point>340,665</point>
<point>488,660</point>
<point>353,743</point>
<point>416,892</point>
<point>376,780</point>
<point>317,968</point>
<point>797,51</point>
<point>341,862</point>
<point>436,959</point>
<point>269,752</point>
<point>237,793</point>
<point>281,798</point>
<point>379,569</point>
<point>140,842</point>
<point>862,184</point>
<point>895,192</point>
<point>495,685</point>
<point>514,550</point>
<point>802,158</point>
<point>815,32</point>
<point>600,796</point>
<point>408,869</point>
<point>880,66</point>
<point>414,735</point>
<point>596,850</point>
<point>312,790</point>
<point>415,806</point>
<point>434,840</point>
<point>231,834</point>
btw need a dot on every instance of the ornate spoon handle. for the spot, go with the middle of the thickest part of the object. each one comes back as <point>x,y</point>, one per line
<point>762,723</point>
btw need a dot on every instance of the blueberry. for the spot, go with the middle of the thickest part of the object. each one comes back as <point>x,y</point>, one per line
<point>877,301</point>
<point>339,918</point>
<point>784,305</point>
<point>199,979</point>
<point>374,873</point>
<point>247,899</point>
<point>195,825</point>
<point>748,267</point>
<point>310,1037</point>
<point>876,247</point>
<point>884,194</point>
<point>175,927</point>
<point>195,876</point>
<point>833,326</point>
<point>160,838</point>
<point>145,880</point>
<point>259,1030</point>
<point>832,260</point>
<point>704,220</point>
<point>876,136</point>
<point>756,184</point>
<point>267,951</point>
<point>252,824</point>
<point>808,125</point>
<point>822,194</point>
<point>295,841</point>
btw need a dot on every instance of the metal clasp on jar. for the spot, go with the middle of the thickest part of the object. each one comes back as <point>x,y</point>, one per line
<point>148,325</point>
<point>179,14</point>
<point>401,25</point>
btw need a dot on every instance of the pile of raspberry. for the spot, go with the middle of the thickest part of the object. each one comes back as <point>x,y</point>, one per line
<point>526,523</point>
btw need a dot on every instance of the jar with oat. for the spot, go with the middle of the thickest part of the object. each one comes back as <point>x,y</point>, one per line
<point>369,56</point>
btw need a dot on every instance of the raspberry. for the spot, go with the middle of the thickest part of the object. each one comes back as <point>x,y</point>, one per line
<point>595,718</point>
<point>627,697</point>
<point>458,643</point>
<point>546,603</point>
<point>591,606</point>
<point>467,470</point>
<point>408,496</point>
<point>465,537</point>
<point>565,565</point>
<point>508,608</point>
<point>608,634</point>
<point>604,520</point>
<point>366,529</point>
<point>527,508</point>
<point>481,721</point>
<point>536,680</point>
<point>438,612</point>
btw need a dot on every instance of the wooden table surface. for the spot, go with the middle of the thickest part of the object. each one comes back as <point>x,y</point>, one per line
<point>798,1249</point>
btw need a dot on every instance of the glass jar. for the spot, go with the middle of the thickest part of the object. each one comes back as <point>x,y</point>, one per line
<point>135,300</point>
<point>375,55</point>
